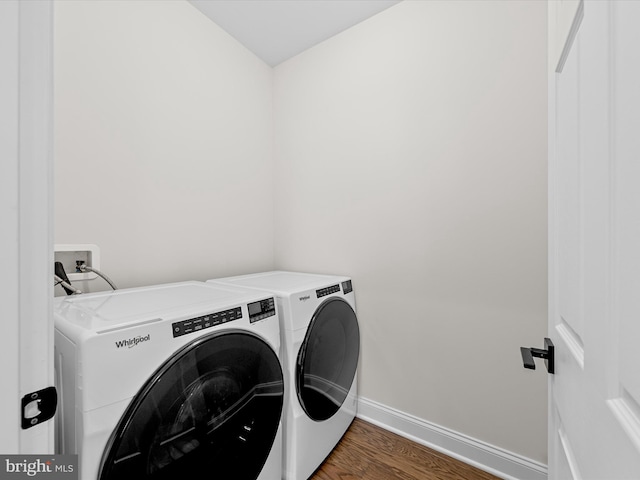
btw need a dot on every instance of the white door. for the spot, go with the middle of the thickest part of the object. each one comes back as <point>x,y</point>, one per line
<point>594,239</point>
<point>26,238</point>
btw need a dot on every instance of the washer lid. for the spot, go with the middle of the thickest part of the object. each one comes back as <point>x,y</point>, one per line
<point>105,310</point>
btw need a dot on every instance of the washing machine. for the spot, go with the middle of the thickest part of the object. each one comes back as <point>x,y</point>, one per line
<point>171,381</point>
<point>320,350</point>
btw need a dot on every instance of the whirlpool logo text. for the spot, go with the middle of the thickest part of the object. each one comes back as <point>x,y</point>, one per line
<point>133,342</point>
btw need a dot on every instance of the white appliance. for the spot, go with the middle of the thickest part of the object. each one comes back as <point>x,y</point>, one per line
<point>171,381</point>
<point>320,349</point>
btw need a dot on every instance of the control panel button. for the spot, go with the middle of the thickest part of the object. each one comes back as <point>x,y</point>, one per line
<point>323,292</point>
<point>191,325</point>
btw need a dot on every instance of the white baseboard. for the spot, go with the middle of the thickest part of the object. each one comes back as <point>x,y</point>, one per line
<point>489,458</point>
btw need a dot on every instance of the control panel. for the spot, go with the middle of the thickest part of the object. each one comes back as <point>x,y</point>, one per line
<point>347,287</point>
<point>185,327</point>
<point>261,310</point>
<point>323,292</point>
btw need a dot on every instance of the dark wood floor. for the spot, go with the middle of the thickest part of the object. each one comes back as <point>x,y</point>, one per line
<point>372,453</point>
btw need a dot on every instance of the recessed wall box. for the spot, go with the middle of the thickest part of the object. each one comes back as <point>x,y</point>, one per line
<point>68,255</point>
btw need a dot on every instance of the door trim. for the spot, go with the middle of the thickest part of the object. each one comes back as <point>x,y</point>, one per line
<point>26,212</point>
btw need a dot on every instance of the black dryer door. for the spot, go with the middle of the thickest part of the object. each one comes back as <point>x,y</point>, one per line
<point>328,359</point>
<point>211,411</point>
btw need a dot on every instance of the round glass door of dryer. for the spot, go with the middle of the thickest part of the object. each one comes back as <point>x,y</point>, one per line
<point>211,411</point>
<point>328,359</point>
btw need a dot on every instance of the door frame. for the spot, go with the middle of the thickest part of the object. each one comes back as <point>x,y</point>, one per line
<point>26,216</point>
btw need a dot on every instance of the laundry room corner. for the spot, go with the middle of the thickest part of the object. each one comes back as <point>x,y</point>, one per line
<point>407,153</point>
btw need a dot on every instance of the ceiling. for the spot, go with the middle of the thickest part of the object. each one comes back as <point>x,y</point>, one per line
<point>276,30</point>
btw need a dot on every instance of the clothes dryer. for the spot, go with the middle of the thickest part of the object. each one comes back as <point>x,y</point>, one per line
<point>320,350</point>
<point>171,381</point>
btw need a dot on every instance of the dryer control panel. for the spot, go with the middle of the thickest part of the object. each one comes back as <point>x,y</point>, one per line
<point>206,321</point>
<point>262,309</point>
<point>323,292</point>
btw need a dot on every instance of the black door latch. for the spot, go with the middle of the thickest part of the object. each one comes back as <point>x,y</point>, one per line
<point>547,354</point>
<point>38,407</point>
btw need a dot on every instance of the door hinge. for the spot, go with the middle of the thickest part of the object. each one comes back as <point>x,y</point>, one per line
<point>38,407</point>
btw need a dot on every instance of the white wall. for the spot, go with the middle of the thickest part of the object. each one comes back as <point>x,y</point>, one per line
<point>163,143</point>
<point>411,155</point>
